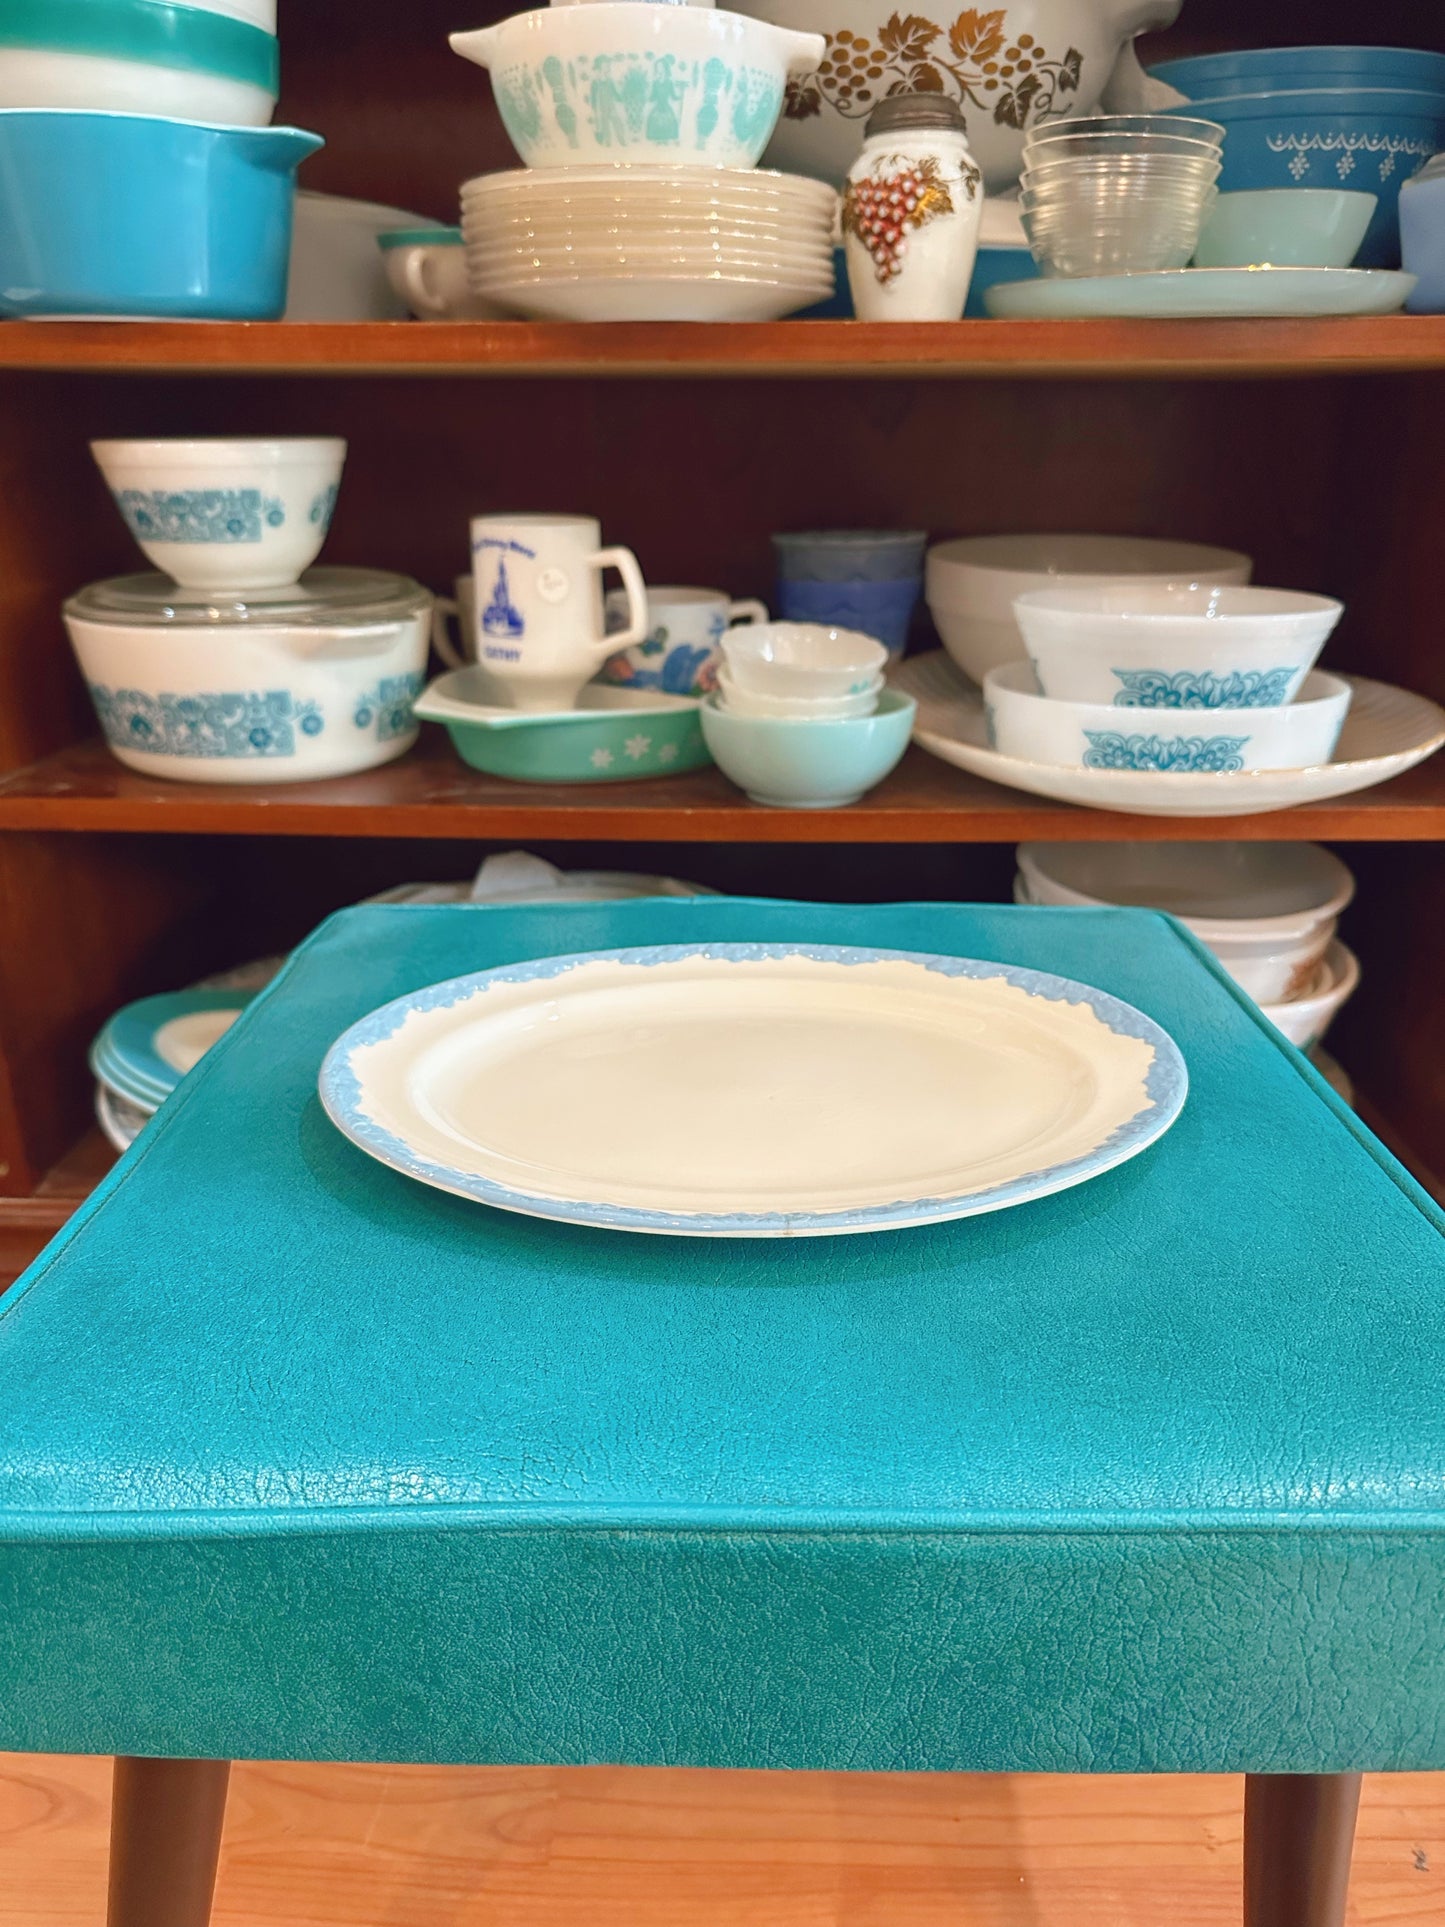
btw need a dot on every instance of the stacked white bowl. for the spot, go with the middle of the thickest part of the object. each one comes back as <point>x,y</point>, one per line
<point>1268,912</point>
<point>800,718</point>
<point>1169,677</point>
<point>802,670</point>
<point>1118,193</point>
<point>641,126</point>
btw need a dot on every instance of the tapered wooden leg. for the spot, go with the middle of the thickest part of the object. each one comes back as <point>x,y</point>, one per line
<point>165,1836</point>
<point>1299,1830</point>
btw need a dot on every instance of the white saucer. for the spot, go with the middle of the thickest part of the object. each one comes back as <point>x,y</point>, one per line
<point>754,1090</point>
<point>1204,293</point>
<point>1387,731</point>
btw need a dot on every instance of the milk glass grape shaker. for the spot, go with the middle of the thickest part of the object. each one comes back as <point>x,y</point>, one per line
<point>912,205</point>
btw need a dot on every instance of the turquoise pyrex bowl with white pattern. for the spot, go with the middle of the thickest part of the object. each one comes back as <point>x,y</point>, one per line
<point>626,80</point>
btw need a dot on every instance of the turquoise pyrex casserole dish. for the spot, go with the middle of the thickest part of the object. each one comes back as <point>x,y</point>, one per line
<point>137,216</point>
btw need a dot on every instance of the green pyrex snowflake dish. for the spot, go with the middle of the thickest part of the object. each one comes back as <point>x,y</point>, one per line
<point>659,736</point>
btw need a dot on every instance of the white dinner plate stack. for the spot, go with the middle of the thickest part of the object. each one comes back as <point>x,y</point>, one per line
<point>626,242</point>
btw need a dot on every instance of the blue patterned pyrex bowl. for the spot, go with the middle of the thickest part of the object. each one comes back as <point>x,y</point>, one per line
<point>135,215</point>
<point>625,80</point>
<point>1372,139</point>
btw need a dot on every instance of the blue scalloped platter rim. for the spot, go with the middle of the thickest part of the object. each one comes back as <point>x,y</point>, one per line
<point>1166,1087</point>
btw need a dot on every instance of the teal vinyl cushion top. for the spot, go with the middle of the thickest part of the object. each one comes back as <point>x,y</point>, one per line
<point>301,1459</point>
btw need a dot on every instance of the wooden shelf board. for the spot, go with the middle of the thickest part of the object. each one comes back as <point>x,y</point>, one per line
<point>27,1224</point>
<point>1011,349</point>
<point>430,794</point>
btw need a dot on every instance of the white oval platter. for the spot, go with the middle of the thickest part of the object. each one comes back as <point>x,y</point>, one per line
<point>1387,731</point>
<point>754,1090</point>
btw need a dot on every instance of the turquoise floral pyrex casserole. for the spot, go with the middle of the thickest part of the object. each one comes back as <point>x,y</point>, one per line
<point>627,80</point>
<point>136,216</point>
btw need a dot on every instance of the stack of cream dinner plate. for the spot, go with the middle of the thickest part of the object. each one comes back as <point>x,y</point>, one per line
<point>628,242</point>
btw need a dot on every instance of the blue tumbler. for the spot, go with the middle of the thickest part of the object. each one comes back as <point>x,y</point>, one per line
<point>863,579</point>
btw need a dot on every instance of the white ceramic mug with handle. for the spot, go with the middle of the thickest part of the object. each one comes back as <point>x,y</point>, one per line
<point>538,625</point>
<point>461,608</point>
<point>682,651</point>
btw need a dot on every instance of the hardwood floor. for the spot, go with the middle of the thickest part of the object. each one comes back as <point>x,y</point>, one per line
<point>318,1846</point>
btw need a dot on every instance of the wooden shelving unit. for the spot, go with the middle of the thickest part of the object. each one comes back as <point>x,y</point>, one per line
<point>783,350</point>
<point>429,794</point>
<point>1312,444</point>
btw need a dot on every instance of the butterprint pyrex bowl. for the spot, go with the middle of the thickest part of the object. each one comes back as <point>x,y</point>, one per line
<point>316,679</point>
<point>1174,645</point>
<point>232,513</point>
<point>1041,729</point>
<point>626,80</point>
<point>135,216</point>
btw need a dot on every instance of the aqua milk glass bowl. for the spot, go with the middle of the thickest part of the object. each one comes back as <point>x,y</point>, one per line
<point>1174,645</point>
<point>1286,227</point>
<point>801,765</point>
<point>1024,723</point>
<point>627,80</point>
<point>139,217</point>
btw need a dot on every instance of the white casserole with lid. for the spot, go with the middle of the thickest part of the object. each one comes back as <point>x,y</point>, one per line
<point>278,686</point>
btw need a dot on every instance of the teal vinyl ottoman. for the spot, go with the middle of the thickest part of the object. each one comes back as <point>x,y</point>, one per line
<point>303,1460</point>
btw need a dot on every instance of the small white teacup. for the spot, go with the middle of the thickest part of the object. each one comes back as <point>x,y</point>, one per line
<point>538,627</point>
<point>682,651</point>
<point>427,269</point>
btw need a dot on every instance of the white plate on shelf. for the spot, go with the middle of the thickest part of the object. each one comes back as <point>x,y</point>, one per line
<point>653,297</point>
<point>754,1090</point>
<point>1202,294</point>
<point>1387,731</point>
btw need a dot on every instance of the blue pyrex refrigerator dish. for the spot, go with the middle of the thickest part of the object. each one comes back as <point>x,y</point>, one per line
<point>1369,138</point>
<point>1261,70</point>
<point>1422,236</point>
<point>136,216</point>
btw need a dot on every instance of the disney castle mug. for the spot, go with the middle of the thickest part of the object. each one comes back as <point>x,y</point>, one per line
<point>537,586</point>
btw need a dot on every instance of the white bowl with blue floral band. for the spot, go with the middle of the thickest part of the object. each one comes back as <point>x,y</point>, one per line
<point>1035,728</point>
<point>233,513</point>
<point>1174,645</point>
<point>317,679</point>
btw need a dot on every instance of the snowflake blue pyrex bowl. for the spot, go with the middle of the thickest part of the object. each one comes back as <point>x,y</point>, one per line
<point>279,686</point>
<point>1372,139</point>
<point>1174,645</point>
<point>232,513</point>
<point>1045,729</point>
<point>139,217</point>
<point>625,80</point>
